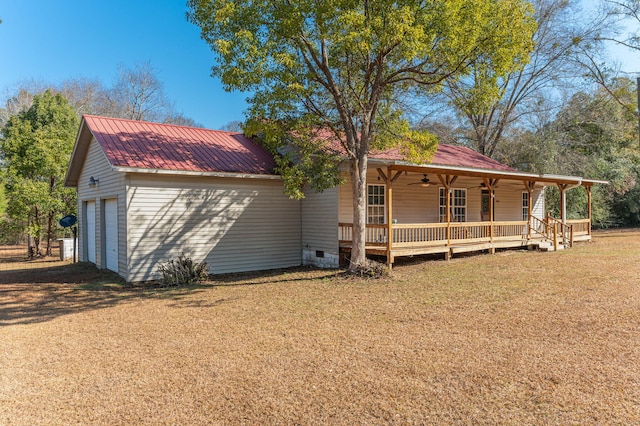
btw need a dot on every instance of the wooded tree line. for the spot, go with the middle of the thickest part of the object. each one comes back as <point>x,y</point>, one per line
<point>571,110</point>
<point>39,126</point>
<point>548,102</point>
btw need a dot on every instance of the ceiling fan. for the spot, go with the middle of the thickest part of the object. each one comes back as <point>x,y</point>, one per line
<point>482,186</point>
<point>424,182</point>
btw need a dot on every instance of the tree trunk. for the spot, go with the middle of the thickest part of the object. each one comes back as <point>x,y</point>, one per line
<point>30,248</point>
<point>49,232</point>
<point>36,233</point>
<point>50,216</point>
<point>358,174</point>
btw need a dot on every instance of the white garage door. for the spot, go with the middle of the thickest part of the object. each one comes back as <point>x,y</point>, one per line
<point>111,234</point>
<point>91,231</point>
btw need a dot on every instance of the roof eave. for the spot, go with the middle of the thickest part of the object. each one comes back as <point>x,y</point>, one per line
<point>479,172</point>
<point>80,149</point>
<point>196,173</point>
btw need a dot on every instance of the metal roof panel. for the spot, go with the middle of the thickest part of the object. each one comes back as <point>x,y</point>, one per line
<point>145,145</point>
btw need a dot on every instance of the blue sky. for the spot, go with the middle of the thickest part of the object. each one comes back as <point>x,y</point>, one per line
<point>54,40</point>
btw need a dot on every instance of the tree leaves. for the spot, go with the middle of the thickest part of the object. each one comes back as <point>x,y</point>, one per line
<point>36,145</point>
<point>340,67</point>
<point>346,61</point>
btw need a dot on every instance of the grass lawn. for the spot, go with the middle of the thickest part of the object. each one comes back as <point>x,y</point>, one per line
<point>513,338</point>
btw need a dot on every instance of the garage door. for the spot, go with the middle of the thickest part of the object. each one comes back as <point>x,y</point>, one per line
<point>111,234</point>
<point>90,238</point>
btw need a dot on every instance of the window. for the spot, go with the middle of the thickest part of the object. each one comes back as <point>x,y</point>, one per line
<point>375,204</point>
<point>525,206</point>
<point>458,205</point>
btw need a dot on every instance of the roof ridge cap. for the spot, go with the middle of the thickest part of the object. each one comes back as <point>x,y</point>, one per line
<point>155,123</point>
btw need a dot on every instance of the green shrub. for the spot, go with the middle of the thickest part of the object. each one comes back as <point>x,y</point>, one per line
<point>183,271</point>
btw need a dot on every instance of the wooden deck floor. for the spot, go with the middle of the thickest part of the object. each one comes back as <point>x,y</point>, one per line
<point>464,237</point>
<point>455,248</point>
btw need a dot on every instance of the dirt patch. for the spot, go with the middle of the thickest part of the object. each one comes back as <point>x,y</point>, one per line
<point>515,338</point>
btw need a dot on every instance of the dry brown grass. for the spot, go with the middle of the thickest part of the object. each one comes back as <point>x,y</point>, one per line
<point>514,338</point>
<point>15,258</point>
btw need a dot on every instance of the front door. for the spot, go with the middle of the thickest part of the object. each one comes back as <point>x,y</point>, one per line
<point>485,199</point>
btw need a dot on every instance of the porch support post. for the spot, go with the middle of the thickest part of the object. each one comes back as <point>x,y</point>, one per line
<point>446,182</point>
<point>562,187</point>
<point>447,190</point>
<point>490,184</point>
<point>588,188</point>
<point>529,187</point>
<point>389,217</point>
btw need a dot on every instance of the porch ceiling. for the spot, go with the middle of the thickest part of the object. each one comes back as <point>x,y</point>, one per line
<point>495,174</point>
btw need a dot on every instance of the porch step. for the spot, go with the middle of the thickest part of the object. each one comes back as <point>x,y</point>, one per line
<point>548,246</point>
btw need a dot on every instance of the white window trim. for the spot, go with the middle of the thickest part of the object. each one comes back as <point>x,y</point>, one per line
<point>525,209</point>
<point>384,205</point>
<point>451,195</point>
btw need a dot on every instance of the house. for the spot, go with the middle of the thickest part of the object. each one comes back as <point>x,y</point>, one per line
<point>148,192</point>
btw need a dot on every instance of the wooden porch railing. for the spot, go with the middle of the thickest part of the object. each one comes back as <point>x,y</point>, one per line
<point>580,226</point>
<point>425,234</point>
<point>560,230</point>
<point>539,226</point>
<point>554,229</point>
<point>375,234</point>
<point>428,234</point>
<point>509,230</point>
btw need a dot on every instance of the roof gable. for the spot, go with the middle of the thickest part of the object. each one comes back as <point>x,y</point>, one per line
<point>145,145</point>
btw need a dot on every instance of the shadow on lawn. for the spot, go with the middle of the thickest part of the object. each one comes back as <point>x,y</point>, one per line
<point>46,291</point>
<point>276,276</point>
<point>42,294</point>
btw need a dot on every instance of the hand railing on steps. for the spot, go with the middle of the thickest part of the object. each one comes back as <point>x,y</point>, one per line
<point>553,229</point>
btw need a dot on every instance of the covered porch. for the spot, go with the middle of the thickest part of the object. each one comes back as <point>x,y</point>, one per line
<point>453,233</point>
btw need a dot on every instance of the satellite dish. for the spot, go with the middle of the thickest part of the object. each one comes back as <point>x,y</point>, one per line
<point>68,220</point>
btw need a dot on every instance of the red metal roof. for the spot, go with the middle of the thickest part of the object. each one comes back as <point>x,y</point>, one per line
<point>446,155</point>
<point>145,145</point>
<point>450,155</point>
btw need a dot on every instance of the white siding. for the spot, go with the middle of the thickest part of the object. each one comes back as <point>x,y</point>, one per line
<point>320,228</point>
<point>110,185</point>
<point>413,203</point>
<point>509,200</point>
<point>89,231</point>
<point>538,203</point>
<point>233,224</point>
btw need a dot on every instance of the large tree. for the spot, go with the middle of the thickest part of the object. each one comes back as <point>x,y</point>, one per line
<point>343,66</point>
<point>595,136</point>
<point>624,22</point>
<point>626,13</point>
<point>561,35</point>
<point>36,146</point>
<point>138,94</point>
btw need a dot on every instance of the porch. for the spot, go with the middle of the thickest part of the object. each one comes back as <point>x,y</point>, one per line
<point>461,210</point>
<point>459,237</point>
